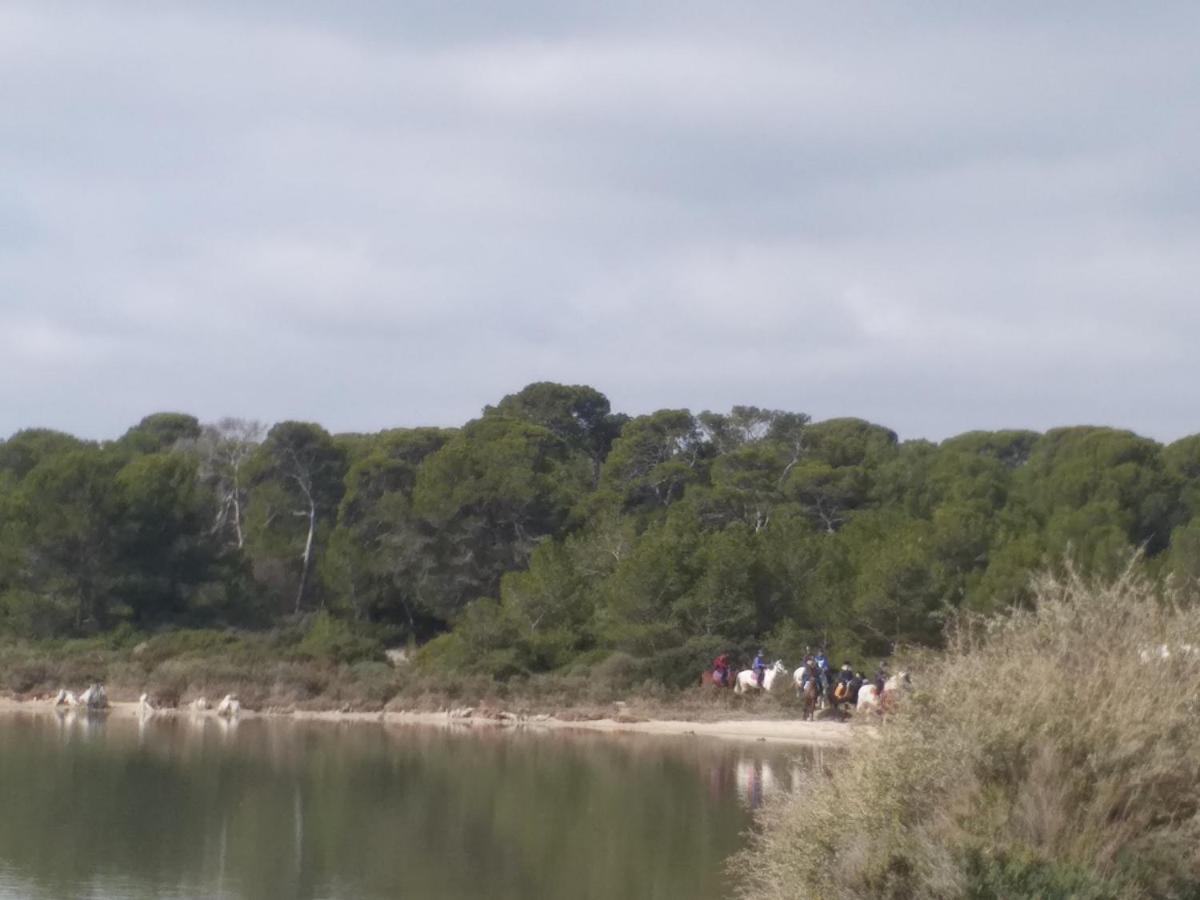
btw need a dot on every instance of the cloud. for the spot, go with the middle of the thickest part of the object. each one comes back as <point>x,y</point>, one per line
<point>394,214</point>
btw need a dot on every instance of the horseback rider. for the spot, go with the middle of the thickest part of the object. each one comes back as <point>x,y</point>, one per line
<point>811,673</point>
<point>845,683</point>
<point>759,667</point>
<point>823,667</point>
<point>721,670</point>
<point>881,677</point>
<point>856,684</point>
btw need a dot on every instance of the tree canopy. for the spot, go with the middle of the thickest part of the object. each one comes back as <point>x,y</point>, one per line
<point>551,530</point>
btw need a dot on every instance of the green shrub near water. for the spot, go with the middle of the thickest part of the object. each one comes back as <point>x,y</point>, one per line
<point>334,640</point>
<point>1051,753</point>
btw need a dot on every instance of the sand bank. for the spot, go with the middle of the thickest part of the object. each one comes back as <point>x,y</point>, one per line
<point>790,731</point>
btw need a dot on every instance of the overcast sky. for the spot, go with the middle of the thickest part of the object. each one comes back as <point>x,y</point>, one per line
<point>372,214</point>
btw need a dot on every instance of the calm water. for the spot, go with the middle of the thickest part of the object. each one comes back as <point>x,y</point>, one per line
<point>178,808</point>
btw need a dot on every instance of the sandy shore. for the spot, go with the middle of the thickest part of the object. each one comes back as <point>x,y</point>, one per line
<point>788,731</point>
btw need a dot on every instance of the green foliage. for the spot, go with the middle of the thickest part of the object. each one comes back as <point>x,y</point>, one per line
<point>1002,876</point>
<point>185,642</point>
<point>655,459</point>
<point>166,541</point>
<point>551,532</point>
<point>488,496</point>
<point>64,510</point>
<point>680,666</point>
<point>379,566</point>
<point>334,640</point>
<point>726,595</point>
<point>1078,479</point>
<point>485,641</point>
<point>28,614</point>
<point>1182,461</point>
<point>160,432</point>
<point>577,415</point>
<point>25,449</point>
<point>298,478</point>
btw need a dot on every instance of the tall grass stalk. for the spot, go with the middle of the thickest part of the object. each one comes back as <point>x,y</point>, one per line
<point>1051,752</point>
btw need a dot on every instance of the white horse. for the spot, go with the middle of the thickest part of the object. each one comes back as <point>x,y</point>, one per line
<point>229,707</point>
<point>798,677</point>
<point>94,697</point>
<point>870,699</point>
<point>747,680</point>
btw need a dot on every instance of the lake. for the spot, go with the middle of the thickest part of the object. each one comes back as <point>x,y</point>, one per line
<point>115,809</point>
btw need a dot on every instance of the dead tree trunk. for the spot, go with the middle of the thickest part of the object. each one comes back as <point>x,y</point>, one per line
<point>306,557</point>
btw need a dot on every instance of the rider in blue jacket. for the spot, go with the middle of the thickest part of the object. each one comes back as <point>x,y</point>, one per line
<point>823,668</point>
<point>759,667</point>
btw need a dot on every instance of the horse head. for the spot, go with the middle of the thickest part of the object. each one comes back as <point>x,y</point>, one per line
<point>779,668</point>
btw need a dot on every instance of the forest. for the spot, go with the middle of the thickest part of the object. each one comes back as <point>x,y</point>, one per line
<point>550,533</point>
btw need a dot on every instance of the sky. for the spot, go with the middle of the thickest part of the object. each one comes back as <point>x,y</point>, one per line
<point>940,217</point>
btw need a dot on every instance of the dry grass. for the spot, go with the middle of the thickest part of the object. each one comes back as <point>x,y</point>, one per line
<point>1042,756</point>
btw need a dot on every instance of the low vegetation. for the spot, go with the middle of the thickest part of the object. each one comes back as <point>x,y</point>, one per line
<point>321,663</point>
<point>1049,753</point>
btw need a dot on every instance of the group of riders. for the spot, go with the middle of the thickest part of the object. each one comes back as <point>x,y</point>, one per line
<point>841,686</point>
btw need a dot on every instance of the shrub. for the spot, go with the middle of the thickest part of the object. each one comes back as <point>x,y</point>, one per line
<point>27,675</point>
<point>617,672</point>
<point>1048,753</point>
<point>28,615</point>
<point>681,666</point>
<point>334,640</point>
<point>184,642</point>
<point>372,683</point>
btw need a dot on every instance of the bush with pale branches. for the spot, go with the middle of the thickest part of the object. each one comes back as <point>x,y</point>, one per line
<point>1052,752</point>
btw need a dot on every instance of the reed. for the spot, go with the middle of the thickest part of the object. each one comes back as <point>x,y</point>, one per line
<point>1051,752</point>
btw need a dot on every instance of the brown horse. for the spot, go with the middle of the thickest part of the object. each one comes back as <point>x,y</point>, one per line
<point>839,695</point>
<point>708,679</point>
<point>812,693</point>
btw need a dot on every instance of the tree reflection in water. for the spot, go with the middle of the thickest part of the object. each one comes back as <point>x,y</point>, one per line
<point>198,807</point>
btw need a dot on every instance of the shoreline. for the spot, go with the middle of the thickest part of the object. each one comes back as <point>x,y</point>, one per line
<point>774,731</point>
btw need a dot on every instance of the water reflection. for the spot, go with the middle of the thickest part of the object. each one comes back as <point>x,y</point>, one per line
<point>755,779</point>
<point>188,807</point>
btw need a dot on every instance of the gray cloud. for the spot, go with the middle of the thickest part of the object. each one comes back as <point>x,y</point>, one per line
<point>940,219</point>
